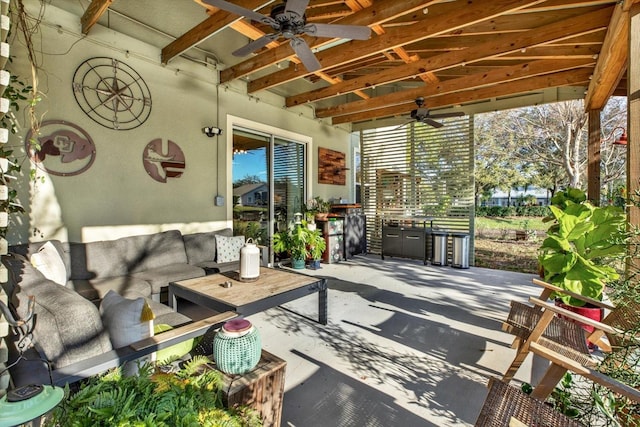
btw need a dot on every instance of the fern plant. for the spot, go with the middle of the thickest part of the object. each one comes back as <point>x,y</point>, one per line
<point>191,397</point>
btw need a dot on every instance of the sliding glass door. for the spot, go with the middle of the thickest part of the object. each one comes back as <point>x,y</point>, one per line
<point>268,184</point>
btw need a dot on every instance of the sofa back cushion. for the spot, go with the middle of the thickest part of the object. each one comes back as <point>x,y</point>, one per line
<point>113,258</point>
<point>201,247</point>
<point>95,260</point>
<point>68,327</point>
<point>154,250</point>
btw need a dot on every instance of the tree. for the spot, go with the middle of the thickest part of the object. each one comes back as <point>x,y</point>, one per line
<point>247,179</point>
<point>546,146</point>
<point>496,166</point>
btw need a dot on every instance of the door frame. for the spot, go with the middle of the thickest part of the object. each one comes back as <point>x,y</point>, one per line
<point>250,125</point>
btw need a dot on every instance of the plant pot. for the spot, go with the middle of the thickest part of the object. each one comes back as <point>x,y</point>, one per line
<point>314,264</point>
<point>322,216</point>
<point>311,226</point>
<point>297,264</point>
<point>588,311</point>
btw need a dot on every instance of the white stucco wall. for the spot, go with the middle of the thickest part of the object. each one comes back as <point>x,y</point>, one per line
<point>116,197</point>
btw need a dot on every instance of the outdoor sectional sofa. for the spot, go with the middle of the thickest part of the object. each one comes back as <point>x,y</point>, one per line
<point>70,331</point>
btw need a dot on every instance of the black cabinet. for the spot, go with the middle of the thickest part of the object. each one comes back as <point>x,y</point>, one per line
<point>405,242</point>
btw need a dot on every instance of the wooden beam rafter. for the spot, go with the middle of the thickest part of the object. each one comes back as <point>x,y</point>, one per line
<point>205,29</point>
<point>397,37</point>
<point>482,79</point>
<point>93,13</point>
<point>612,61</point>
<point>382,12</point>
<point>509,43</point>
<point>565,78</point>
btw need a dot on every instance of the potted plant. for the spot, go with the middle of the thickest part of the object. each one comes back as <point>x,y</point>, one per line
<point>316,249</point>
<point>578,242</point>
<point>190,396</point>
<point>318,207</point>
<point>298,241</point>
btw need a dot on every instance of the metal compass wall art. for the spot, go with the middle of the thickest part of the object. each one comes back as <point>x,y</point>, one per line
<point>112,93</point>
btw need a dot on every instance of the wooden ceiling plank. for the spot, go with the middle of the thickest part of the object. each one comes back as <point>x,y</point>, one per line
<point>93,13</point>
<point>406,57</point>
<point>248,30</point>
<point>473,81</point>
<point>509,43</point>
<point>612,61</point>
<point>205,29</point>
<point>457,17</point>
<point>383,11</point>
<point>567,78</point>
<point>554,5</point>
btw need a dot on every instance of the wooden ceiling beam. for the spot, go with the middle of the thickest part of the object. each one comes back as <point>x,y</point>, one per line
<point>612,61</point>
<point>566,78</point>
<point>474,81</point>
<point>93,13</point>
<point>456,17</point>
<point>383,11</point>
<point>581,24</point>
<point>205,29</point>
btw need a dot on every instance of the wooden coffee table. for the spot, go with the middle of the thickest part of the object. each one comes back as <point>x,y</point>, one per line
<point>273,288</point>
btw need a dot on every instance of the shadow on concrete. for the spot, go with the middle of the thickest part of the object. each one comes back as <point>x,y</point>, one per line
<point>331,398</point>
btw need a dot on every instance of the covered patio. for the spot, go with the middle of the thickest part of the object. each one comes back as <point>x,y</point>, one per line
<point>407,343</point>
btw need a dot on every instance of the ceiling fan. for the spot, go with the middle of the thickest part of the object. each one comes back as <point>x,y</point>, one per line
<point>288,20</point>
<point>422,115</point>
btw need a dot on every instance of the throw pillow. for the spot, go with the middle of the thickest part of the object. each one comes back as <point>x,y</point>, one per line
<point>48,261</point>
<point>126,320</point>
<point>228,248</point>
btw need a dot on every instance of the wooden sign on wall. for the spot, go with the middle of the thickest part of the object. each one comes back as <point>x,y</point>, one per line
<point>331,167</point>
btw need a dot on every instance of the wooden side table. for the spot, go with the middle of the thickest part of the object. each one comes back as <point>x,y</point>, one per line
<point>261,389</point>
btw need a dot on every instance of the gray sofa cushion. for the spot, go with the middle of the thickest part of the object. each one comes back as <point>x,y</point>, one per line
<point>68,327</point>
<point>166,316</point>
<point>94,260</point>
<point>160,277</point>
<point>201,247</point>
<point>151,251</point>
<point>127,286</point>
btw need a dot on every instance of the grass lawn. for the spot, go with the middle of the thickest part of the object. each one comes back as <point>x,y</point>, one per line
<point>496,245</point>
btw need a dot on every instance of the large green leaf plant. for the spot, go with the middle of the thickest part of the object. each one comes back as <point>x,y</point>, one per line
<point>579,242</point>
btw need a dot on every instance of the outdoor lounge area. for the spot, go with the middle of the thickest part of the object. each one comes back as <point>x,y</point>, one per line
<point>152,144</point>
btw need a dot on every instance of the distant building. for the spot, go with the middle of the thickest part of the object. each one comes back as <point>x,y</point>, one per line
<point>251,194</point>
<point>518,197</point>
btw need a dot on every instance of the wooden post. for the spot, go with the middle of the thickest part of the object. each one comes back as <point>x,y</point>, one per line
<point>633,117</point>
<point>633,110</point>
<point>593,154</point>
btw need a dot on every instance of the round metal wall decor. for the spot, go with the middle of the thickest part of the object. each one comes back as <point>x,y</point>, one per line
<point>65,148</point>
<point>112,93</point>
<point>163,160</point>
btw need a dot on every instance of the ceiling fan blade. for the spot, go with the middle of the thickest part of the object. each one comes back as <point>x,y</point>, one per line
<point>433,123</point>
<point>241,11</point>
<point>296,6</point>
<point>403,125</point>
<point>302,49</point>
<point>354,32</point>
<point>255,45</point>
<point>445,115</point>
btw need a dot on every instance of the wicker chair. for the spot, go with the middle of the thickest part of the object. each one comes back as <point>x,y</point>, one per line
<point>506,406</point>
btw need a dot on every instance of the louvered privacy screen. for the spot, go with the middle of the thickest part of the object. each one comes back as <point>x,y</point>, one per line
<point>418,175</point>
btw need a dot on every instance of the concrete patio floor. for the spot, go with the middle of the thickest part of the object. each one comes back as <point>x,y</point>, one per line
<point>406,344</point>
